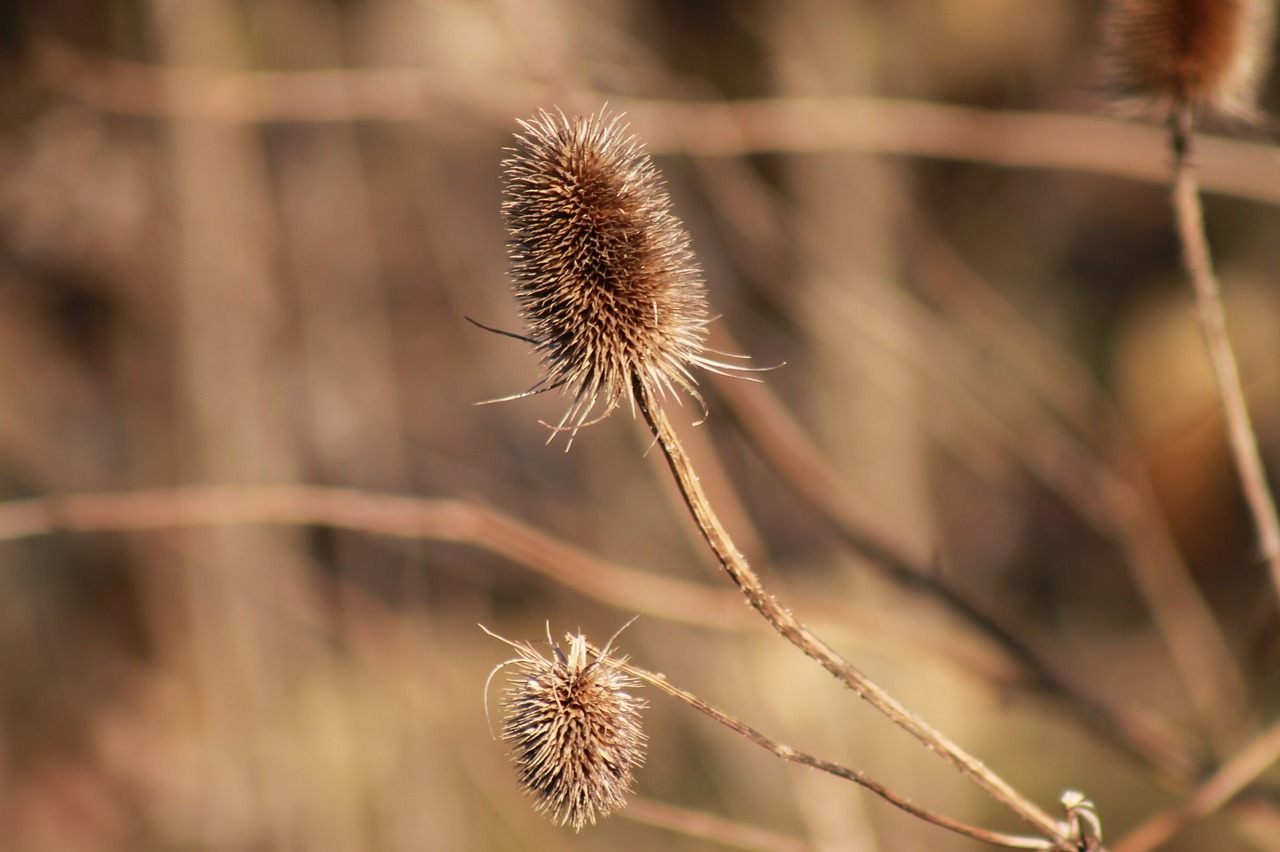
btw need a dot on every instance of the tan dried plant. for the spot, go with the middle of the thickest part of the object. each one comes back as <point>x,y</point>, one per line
<point>612,300</point>
<point>574,730</point>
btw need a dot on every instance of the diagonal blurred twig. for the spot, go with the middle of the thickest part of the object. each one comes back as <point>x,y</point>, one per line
<point>1215,792</point>
<point>401,517</point>
<point>790,453</point>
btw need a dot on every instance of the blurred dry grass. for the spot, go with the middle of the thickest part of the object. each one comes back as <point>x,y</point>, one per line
<point>238,244</point>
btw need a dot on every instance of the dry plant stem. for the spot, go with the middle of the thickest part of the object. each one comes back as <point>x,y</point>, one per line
<point>1199,264</point>
<point>794,458</point>
<point>781,619</point>
<point>1234,776</point>
<point>1094,491</point>
<point>786,752</point>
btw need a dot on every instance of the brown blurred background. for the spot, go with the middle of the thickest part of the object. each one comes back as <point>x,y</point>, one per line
<point>238,241</point>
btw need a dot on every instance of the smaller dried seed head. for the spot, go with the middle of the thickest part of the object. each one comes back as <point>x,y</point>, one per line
<point>1208,55</point>
<point>602,269</point>
<point>574,732</point>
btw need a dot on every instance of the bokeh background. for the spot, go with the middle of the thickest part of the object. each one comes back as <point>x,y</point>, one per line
<point>238,243</point>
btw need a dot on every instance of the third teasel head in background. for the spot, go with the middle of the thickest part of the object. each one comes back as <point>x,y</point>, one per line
<point>1208,55</point>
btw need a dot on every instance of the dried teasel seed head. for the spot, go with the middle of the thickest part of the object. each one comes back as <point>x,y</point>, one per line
<point>1206,55</point>
<point>574,732</point>
<point>608,289</point>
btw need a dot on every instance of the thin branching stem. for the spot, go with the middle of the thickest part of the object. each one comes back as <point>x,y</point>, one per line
<point>1198,261</point>
<point>786,752</point>
<point>790,628</point>
<point>792,455</point>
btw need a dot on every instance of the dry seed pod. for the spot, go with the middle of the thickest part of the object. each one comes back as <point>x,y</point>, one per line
<point>1209,55</point>
<point>610,294</point>
<point>574,732</point>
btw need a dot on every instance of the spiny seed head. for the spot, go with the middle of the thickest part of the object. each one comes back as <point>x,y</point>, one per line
<point>1209,55</point>
<point>574,732</point>
<point>602,269</point>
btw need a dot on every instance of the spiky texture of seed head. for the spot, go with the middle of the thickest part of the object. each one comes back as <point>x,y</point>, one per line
<point>574,732</point>
<point>1209,55</point>
<point>602,269</point>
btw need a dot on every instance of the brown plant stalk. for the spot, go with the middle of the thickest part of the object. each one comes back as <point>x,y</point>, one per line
<point>795,459</point>
<point>790,628</point>
<point>1198,262</point>
<point>786,752</point>
<point>1183,59</point>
